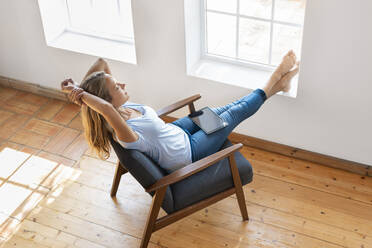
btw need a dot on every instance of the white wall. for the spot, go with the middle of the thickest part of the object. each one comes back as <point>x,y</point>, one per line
<point>331,114</point>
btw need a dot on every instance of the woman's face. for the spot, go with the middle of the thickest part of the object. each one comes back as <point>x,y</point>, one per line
<point>117,91</point>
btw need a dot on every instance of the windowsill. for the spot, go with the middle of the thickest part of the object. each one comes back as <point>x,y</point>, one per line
<point>104,48</point>
<point>236,75</point>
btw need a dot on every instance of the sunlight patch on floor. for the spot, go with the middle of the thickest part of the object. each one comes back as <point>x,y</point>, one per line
<point>25,180</point>
<point>33,171</point>
<point>12,196</point>
<point>10,160</point>
<point>60,176</point>
<point>8,226</point>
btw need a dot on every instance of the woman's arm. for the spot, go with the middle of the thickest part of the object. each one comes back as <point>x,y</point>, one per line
<point>99,65</point>
<point>111,115</point>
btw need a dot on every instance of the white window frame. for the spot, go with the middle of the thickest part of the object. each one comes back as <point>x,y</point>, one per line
<point>236,60</point>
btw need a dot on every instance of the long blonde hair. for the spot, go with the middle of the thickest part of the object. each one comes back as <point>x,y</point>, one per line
<point>96,128</point>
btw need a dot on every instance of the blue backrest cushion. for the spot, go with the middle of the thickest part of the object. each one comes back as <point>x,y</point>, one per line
<point>144,170</point>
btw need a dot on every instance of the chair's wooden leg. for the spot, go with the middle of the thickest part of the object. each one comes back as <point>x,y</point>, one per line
<point>120,170</point>
<point>238,187</point>
<point>151,218</point>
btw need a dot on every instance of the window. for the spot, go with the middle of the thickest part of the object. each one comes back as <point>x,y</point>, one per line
<point>108,19</point>
<point>255,32</point>
<point>240,42</point>
<point>101,28</point>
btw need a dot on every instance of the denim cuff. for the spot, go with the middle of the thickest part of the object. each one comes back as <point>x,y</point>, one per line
<point>261,93</point>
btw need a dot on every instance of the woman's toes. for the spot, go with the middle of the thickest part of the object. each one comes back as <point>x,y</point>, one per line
<point>289,60</point>
<point>292,57</point>
<point>287,63</point>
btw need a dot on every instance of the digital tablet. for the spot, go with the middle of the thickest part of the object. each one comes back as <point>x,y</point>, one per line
<point>208,120</point>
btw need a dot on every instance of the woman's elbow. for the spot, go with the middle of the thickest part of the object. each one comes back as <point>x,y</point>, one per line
<point>107,108</point>
<point>101,61</point>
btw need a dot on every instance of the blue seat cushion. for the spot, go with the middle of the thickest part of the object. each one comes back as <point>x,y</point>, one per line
<point>213,180</point>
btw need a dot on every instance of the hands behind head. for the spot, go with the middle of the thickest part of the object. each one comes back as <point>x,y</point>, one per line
<point>74,92</point>
<point>125,113</point>
<point>68,85</point>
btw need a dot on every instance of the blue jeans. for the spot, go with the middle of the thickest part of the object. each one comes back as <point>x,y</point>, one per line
<point>202,144</point>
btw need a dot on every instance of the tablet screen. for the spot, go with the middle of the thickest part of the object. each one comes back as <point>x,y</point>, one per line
<point>209,121</point>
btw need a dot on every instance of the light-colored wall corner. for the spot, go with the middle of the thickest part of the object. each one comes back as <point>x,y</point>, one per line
<point>33,88</point>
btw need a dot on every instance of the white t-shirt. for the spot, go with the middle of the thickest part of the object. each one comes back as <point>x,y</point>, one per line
<point>167,144</point>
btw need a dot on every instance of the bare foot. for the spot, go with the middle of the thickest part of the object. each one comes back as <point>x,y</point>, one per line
<point>289,60</point>
<point>284,84</point>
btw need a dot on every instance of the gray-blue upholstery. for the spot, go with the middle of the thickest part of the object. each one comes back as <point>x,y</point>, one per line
<point>195,188</point>
<point>213,180</point>
<point>144,170</point>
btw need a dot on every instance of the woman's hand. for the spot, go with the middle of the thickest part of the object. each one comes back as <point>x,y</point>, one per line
<point>74,92</point>
<point>68,85</point>
<point>125,113</point>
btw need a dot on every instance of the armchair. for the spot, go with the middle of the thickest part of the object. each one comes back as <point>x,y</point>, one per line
<point>188,189</point>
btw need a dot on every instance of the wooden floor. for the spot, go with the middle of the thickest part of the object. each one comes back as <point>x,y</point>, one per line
<point>55,193</point>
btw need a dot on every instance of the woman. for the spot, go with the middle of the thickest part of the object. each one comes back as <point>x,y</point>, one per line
<point>106,111</point>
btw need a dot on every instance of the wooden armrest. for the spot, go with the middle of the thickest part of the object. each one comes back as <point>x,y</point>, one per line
<point>193,168</point>
<point>178,105</point>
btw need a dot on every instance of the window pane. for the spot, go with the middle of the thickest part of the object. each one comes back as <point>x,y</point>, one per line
<point>126,18</point>
<point>106,17</point>
<point>221,34</point>
<point>222,5</point>
<point>292,11</point>
<point>285,38</point>
<point>256,8</point>
<point>76,8</point>
<point>254,40</point>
